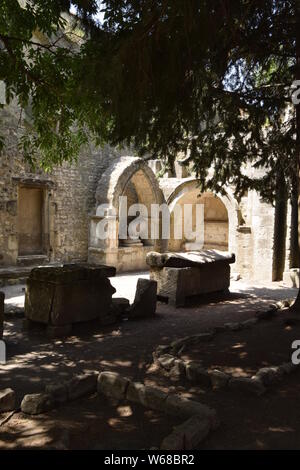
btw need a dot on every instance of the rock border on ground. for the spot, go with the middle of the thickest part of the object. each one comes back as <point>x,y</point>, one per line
<point>167,358</point>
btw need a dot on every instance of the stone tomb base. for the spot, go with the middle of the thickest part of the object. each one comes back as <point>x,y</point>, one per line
<point>60,296</point>
<point>182,275</point>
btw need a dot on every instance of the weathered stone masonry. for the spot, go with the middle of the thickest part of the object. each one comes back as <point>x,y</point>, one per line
<point>53,216</point>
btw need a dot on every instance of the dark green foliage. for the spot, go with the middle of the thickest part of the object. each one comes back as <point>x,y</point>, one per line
<point>209,78</point>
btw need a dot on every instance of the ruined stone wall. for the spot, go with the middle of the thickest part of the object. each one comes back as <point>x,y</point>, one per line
<point>69,197</point>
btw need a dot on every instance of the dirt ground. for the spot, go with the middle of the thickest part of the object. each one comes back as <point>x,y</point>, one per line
<point>268,422</point>
<point>242,353</point>
<point>92,423</point>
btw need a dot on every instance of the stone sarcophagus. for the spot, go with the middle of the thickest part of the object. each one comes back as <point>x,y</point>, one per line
<point>182,275</point>
<point>61,296</point>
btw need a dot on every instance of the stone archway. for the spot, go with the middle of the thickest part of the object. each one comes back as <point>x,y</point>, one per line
<point>221,214</point>
<point>133,178</point>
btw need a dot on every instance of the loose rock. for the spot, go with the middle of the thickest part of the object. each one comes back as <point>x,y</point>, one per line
<point>58,392</point>
<point>197,374</point>
<point>36,403</point>
<point>112,385</point>
<point>245,384</point>
<point>218,379</point>
<point>82,385</point>
<point>145,299</point>
<point>7,400</point>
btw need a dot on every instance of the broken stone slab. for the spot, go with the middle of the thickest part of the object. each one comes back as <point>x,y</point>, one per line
<point>218,379</point>
<point>189,259</point>
<point>58,392</point>
<point>150,397</point>
<point>36,403</point>
<point>144,304</point>
<point>188,435</point>
<point>2,297</point>
<point>112,384</point>
<point>7,400</point>
<point>68,294</point>
<point>251,385</point>
<point>196,373</point>
<point>184,408</point>
<point>82,385</point>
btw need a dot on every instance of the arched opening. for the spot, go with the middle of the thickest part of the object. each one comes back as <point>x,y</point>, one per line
<point>220,216</point>
<point>215,219</point>
<point>138,191</point>
<point>133,178</point>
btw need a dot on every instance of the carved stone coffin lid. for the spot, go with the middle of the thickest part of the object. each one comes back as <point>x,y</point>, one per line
<point>189,259</point>
<point>68,273</point>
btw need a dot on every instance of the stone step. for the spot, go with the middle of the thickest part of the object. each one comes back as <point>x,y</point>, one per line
<point>32,260</point>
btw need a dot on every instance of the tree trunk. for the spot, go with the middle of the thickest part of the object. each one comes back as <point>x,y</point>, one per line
<point>296,306</point>
<point>294,246</point>
<point>279,228</point>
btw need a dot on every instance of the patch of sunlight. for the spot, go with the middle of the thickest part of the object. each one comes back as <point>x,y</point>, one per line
<point>243,354</point>
<point>238,346</point>
<point>281,429</point>
<point>125,411</point>
<point>15,300</point>
<point>236,371</point>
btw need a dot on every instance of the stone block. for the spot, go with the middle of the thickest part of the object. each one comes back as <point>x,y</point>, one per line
<point>112,385</point>
<point>251,385</point>
<point>184,408</point>
<point>58,392</point>
<point>176,284</point>
<point>136,392</point>
<point>218,379</point>
<point>36,403</point>
<point>69,294</point>
<point>193,431</point>
<point>269,375</point>
<point>82,385</point>
<point>287,368</point>
<point>197,374</point>
<point>150,397</point>
<point>7,400</point>
<point>144,304</point>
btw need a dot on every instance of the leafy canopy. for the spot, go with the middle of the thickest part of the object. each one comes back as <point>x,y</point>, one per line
<point>208,78</point>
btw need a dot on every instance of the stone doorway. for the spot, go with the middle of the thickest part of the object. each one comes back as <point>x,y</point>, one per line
<point>30,220</point>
